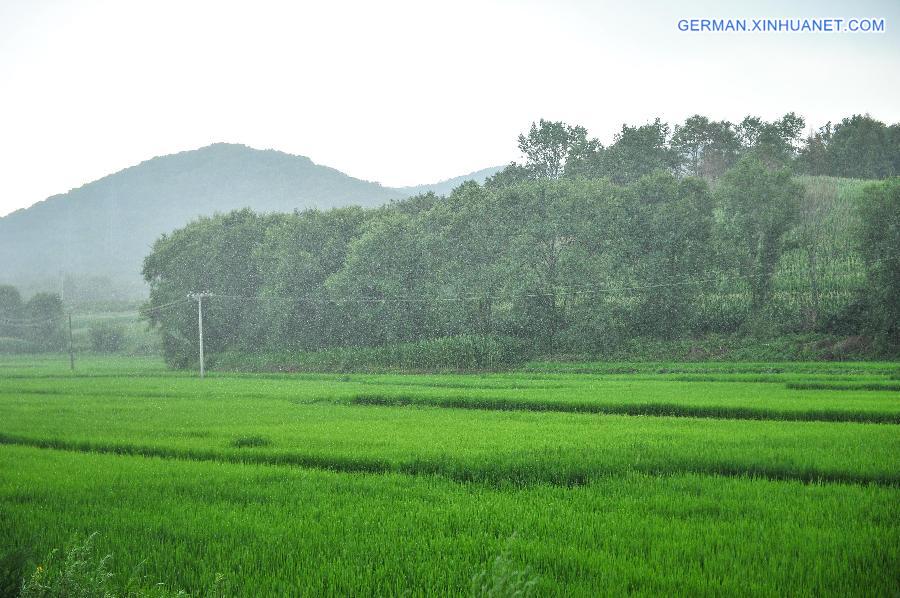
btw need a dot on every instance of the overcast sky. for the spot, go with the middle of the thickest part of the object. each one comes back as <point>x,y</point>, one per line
<point>399,92</point>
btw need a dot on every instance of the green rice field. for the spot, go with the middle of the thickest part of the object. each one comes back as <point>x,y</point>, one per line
<point>584,478</point>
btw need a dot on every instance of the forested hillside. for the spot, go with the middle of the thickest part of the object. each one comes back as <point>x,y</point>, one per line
<point>576,251</point>
<point>98,234</point>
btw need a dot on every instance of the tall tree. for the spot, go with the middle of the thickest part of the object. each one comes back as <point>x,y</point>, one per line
<point>814,157</point>
<point>880,246</point>
<point>638,151</point>
<point>463,238</point>
<point>10,311</point>
<point>296,257</point>
<point>759,206</point>
<point>861,148</point>
<point>705,148</point>
<point>669,239</point>
<point>774,143</point>
<point>549,145</point>
<point>210,254</point>
<point>45,315</point>
<point>386,273</point>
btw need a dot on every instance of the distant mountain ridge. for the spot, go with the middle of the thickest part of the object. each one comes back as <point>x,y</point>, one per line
<point>106,227</point>
<point>446,186</point>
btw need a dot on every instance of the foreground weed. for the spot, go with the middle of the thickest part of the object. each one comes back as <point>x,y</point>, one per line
<point>251,441</point>
<point>82,572</point>
<point>502,579</point>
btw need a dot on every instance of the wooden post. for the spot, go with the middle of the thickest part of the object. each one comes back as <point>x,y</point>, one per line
<point>71,347</point>
<point>200,330</point>
<point>199,298</point>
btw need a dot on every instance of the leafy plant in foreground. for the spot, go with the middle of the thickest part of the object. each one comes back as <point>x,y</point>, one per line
<point>502,578</point>
<point>82,572</point>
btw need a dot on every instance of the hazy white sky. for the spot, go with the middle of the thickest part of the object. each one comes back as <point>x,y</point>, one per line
<point>399,92</point>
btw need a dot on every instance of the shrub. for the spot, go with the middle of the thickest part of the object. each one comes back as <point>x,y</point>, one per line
<point>251,441</point>
<point>46,330</point>
<point>82,572</point>
<point>16,345</point>
<point>850,319</point>
<point>502,578</point>
<point>107,337</point>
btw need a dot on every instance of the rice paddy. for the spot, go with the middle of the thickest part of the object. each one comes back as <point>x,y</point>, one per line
<point>588,478</point>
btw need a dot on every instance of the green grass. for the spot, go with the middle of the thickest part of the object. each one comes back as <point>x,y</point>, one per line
<point>281,531</point>
<point>56,365</point>
<point>484,446</point>
<point>780,394</point>
<point>384,484</point>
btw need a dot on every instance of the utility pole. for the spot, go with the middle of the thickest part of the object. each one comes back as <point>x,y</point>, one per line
<point>198,297</point>
<point>71,347</point>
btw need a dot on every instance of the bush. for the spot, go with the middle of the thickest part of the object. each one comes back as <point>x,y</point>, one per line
<point>46,332</point>
<point>879,239</point>
<point>107,337</point>
<point>16,345</point>
<point>251,441</point>
<point>502,578</point>
<point>82,572</point>
<point>849,319</point>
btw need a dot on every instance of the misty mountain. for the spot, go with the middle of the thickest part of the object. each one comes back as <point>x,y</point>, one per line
<point>445,187</point>
<point>104,229</point>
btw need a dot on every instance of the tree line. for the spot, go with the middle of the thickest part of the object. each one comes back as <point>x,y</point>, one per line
<point>33,325</point>
<point>574,250</point>
<point>857,147</point>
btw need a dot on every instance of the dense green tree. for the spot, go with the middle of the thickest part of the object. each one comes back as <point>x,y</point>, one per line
<point>552,149</point>
<point>857,147</point>
<point>513,174</point>
<point>588,162</point>
<point>759,206</point>
<point>45,315</point>
<point>549,146</point>
<point>892,140</point>
<point>463,239</point>
<point>880,247</point>
<point>585,246</point>
<point>534,256</point>
<point>10,311</point>
<point>384,281</point>
<point>576,251</point>
<point>669,241</point>
<point>815,158</point>
<point>296,257</point>
<point>638,151</point>
<point>861,148</point>
<point>215,255</point>
<point>774,143</point>
<point>705,148</point>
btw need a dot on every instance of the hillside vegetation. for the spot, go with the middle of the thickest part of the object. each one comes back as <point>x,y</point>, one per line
<point>502,274</point>
<point>578,251</point>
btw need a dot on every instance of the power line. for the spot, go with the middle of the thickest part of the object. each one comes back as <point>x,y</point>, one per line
<point>597,289</point>
<point>28,323</point>
<point>156,308</point>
